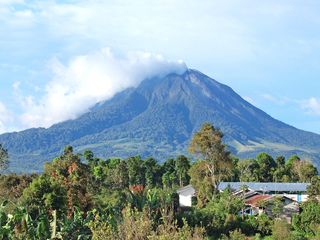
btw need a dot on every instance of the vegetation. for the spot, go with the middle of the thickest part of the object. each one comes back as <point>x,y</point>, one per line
<point>4,158</point>
<point>80,196</point>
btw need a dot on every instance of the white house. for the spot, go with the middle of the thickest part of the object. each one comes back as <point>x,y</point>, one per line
<point>185,196</point>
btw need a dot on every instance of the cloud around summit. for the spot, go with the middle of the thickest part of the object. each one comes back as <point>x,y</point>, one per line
<point>88,79</point>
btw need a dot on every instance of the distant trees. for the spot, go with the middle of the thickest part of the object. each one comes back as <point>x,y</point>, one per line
<point>265,169</point>
<point>4,158</point>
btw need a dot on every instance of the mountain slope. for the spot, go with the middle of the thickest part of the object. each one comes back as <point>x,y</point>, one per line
<point>158,118</point>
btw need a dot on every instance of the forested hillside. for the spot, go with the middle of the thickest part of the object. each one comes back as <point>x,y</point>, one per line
<point>80,196</point>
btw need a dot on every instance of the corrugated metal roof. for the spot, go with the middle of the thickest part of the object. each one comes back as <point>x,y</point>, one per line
<point>186,191</point>
<point>266,187</point>
<point>255,200</point>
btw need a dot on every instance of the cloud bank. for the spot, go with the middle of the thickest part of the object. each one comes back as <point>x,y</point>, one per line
<point>89,79</point>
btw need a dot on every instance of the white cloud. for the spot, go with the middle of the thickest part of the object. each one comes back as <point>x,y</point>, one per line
<point>277,100</point>
<point>8,2</point>
<point>89,79</point>
<point>5,118</point>
<point>311,105</point>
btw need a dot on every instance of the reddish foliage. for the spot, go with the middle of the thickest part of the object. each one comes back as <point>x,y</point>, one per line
<point>72,168</point>
<point>136,189</point>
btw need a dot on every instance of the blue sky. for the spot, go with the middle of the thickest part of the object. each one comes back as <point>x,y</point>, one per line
<point>267,51</point>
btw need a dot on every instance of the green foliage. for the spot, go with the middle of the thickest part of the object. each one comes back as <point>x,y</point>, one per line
<point>281,230</point>
<point>304,170</point>
<point>266,167</point>
<point>136,198</point>
<point>208,143</point>
<point>314,189</point>
<point>248,170</point>
<point>169,178</point>
<point>201,181</point>
<point>261,224</point>
<point>152,172</point>
<point>136,171</point>
<point>277,207</point>
<point>182,168</point>
<point>43,194</point>
<point>308,221</point>
<point>234,235</point>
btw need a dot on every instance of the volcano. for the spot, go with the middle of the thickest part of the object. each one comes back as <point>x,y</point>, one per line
<point>157,119</point>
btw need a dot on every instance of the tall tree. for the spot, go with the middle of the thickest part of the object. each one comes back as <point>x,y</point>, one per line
<point>201,181</point>
<point>74,177</point>
<point>4,158</point>
<point>152,172</point>
<point>182,168</point>
<point>169,177</point>
<point>281,171</point>
<point>136,171</point>
<point>304,170</point>
<point>208,143</point>
<point>266,167</point>
<point>249,170</point>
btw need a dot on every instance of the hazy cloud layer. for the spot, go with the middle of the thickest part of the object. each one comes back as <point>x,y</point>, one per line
<point>89,79</point>
<point>5,117</point>
<point>312,106</point>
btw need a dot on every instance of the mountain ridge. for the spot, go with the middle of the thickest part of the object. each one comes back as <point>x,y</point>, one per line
<point>158,118</point>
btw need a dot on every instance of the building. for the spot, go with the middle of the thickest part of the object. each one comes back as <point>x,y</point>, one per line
<point>297,192</point>
<point>185,196</point>
<point>258,204</point>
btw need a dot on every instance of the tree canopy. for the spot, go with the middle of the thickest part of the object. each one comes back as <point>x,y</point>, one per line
<point>208,143</point>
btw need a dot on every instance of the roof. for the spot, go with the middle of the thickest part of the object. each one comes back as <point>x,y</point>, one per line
<point>266,187</point>
<point>186,191</point>
<point>255,200</point>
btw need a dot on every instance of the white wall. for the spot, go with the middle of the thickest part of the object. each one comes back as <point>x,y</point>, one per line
<point>185,201</point>
<point>304,197</point>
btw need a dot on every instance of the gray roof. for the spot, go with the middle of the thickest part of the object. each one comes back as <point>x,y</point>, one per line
<point>186,191</point>
<point>266,187</point>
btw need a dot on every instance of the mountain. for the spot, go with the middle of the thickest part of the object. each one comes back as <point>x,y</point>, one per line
<point>158,119</point>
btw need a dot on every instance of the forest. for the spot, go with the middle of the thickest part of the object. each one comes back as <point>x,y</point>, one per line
<point>81,196</point>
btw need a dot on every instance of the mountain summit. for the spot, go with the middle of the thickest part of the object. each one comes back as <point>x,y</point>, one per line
<point>158,119</point>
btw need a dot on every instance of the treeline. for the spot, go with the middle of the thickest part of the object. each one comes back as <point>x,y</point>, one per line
<point>80,196</point>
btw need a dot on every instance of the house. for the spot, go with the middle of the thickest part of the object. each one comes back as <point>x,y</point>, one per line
<point>297,192</point>
<point>259,204</point>
<point>185,196</point>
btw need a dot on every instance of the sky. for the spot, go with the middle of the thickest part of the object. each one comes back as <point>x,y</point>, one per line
<point>58,58</point>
